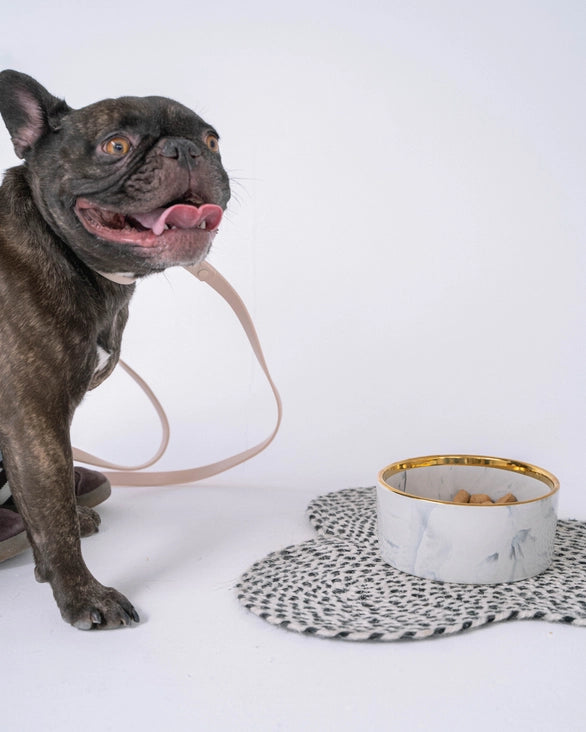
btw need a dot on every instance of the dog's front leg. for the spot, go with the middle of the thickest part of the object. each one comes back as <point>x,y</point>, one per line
<point>40,470</point>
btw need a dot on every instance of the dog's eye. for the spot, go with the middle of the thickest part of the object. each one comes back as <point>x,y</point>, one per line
<point>118,146</point>
<point>212,142</point>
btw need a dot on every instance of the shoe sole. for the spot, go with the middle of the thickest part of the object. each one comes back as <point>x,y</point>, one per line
<point>18,544</point>
<point>13,546</point>
<point>95,497</point>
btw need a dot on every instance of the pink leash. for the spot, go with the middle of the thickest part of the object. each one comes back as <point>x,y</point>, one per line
<point>130,475</point>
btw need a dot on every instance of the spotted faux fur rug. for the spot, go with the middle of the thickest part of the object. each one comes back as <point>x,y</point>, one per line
<point>337,586</point>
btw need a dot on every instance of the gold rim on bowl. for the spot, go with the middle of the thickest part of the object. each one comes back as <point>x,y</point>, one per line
<point>482,461</point>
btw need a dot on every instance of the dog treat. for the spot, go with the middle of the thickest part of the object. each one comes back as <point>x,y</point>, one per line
<point>480,498</point>
<point>509,498</point>
<point>462,497</point>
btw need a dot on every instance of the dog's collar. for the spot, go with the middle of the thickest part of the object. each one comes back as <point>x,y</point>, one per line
<point>119,278</point>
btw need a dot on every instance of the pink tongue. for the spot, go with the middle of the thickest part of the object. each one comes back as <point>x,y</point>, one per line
<point>181,216</point>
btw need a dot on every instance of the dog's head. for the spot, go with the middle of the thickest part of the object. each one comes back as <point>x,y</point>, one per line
<point>132,185</point>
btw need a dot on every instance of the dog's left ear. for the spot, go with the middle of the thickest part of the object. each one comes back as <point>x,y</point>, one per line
<point>28,110</point>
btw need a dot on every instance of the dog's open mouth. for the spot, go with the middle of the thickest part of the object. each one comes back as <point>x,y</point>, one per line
<point>151,228</point>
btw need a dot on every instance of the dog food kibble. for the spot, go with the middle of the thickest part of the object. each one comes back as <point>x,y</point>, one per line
<point>481,499</point>
<point>462,497</point>
<point>509,498</point>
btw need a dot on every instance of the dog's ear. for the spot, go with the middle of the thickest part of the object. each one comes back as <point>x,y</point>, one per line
<point>28,110</point>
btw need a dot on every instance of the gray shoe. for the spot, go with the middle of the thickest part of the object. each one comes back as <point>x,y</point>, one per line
<point>12,535</point>
<point>91,488</point>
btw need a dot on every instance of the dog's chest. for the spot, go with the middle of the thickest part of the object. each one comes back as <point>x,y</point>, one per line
<point>103,359</point>
<point>108,337</point>
<point>104,365</point>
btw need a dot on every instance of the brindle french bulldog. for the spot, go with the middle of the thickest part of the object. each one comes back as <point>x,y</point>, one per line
<point>120,189</point>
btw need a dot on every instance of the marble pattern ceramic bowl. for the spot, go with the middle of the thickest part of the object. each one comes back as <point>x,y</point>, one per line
<point>422,532</point>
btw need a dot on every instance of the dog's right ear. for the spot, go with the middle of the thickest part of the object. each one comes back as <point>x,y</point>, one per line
<point>28,110</point>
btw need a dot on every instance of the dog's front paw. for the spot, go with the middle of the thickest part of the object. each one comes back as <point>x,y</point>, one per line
<point>89,520</point>
<point>98,607</point>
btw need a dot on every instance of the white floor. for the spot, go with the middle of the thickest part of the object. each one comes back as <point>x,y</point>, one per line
<point>199,661</point>
<point>407,228</point>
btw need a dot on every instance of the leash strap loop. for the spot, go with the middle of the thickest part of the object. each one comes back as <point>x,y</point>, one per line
<point>131,476</point>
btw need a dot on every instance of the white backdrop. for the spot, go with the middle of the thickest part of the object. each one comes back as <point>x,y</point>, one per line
<point>406,227</point>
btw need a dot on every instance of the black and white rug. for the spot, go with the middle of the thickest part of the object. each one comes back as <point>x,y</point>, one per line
<point>338,586</point>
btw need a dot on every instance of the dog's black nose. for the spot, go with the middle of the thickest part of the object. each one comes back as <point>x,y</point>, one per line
<point>180,149</point>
